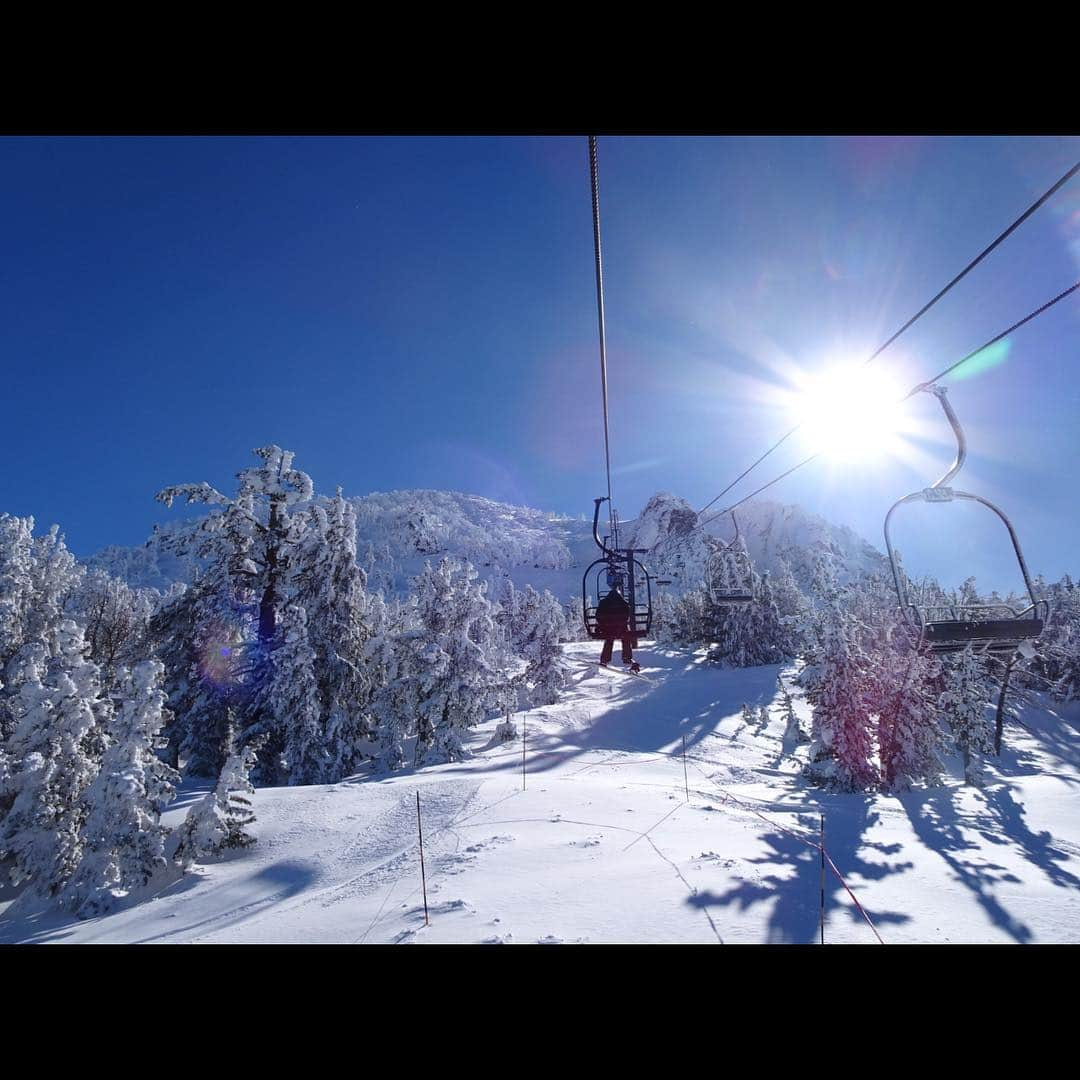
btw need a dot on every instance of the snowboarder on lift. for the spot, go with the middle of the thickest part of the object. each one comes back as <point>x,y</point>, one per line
<point>612,621</point>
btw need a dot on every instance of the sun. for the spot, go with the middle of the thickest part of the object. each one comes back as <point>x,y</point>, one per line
<point>850,412</point>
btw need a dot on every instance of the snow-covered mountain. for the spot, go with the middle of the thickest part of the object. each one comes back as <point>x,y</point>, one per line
<point>398,531</point>
<point>667,528</point>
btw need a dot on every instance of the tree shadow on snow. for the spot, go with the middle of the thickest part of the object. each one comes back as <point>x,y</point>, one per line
<point>941,824</point>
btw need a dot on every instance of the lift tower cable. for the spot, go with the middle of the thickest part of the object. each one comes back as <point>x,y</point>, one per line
<point>914,318</point>
<point>595,175</point>
<point>911,393</point>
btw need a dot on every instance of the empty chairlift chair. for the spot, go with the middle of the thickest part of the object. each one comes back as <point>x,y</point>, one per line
<point>992,627</point>
<point>740,590</point>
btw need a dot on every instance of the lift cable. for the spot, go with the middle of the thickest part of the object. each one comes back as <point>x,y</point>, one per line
<point>911,393</point>
<point>595,175</point>
<point>922,311</point>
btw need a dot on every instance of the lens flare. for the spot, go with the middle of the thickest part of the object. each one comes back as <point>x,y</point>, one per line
<point>219,654</point>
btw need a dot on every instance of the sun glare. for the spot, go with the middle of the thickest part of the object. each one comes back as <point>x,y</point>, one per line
<point>850,412</point>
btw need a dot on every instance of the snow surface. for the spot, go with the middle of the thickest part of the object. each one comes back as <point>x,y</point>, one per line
<point>603,845</point>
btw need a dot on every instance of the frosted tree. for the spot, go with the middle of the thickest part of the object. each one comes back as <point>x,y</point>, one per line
<point>287,710</point>
<point>842,745</point>
<point>964,701</point>
<point>793,732</point>
<point>791,606</point>
<point>115,616</point>
<point>390,656</point>
<point>204,644</point>
<point>905,698</point>
<point>254,534</point>
<point>52,751</point>
<point>249,542</point>
<point>123,841</point>
<point>688,625</point>
<point>219,821</point>
<point>533,625</point>
<point>36,577</point>
<point>16,583</point>
<point>332,589</point>
<point>548,670</point>
<point>54,574</point>
<point>752,634</point>
<point>455,671</point>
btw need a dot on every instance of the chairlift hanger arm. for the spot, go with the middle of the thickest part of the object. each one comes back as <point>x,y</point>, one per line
<point>596,527</point>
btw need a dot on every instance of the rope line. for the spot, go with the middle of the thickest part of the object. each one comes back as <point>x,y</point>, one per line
<point>854,898</point>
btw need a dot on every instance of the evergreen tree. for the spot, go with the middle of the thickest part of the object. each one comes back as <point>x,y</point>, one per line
<point>793,732</point>
<point>905,698</point>
<point>288,709</point>
<point>456,674</point>
<point>123,841</point>
<point>203,640</point>
<point>752,634</point>
<point>332,590</point>
<point>963,701</point>
<point>842,748</point>
<point>54,763</point>
<point>219,820</point>
<point>389,658</point>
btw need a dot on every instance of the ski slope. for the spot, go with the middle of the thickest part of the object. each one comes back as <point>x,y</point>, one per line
<point>610,841</point>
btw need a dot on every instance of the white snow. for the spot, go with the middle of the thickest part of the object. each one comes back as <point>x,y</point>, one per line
<point>603,844</point>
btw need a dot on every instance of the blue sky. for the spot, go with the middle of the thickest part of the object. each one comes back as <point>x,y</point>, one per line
<point>419,312</point>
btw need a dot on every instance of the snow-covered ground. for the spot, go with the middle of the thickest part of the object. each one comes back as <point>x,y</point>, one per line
<point>603,844</point>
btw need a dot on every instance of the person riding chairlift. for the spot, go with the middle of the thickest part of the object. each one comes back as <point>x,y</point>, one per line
<point>613,621</point>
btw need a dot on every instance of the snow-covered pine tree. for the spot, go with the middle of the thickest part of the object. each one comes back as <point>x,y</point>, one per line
<point>219,820</point>
<point>52,752</point>
<point>288,708</point>
<point>964,701</point>
<point>548,670</point>
<point>752,634</point>
<point>36,578</point>
<point>842,748</point>
<point>688,625</point>
<point>54,575</point>
<point>123,841</point>
<point>253,535</point>
<point>389,656</point>
<point>793,732</point>
<point>532,625</point>
<point>332,589</point>
<point>204,642</point>
<point>250,546</point>
<point>457,674</point>
<point>904,695</point>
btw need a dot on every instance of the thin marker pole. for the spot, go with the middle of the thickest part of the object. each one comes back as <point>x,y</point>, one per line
<point>686,783</point>
<point>522,751</point>
<point>423,875</point>
<point>823,878</point>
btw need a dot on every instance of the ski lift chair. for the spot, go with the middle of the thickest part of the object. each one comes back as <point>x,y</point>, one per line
<point>994,628</point>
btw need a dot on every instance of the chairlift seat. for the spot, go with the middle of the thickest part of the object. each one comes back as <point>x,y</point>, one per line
<point>993,635</point>
<point>732,596</point>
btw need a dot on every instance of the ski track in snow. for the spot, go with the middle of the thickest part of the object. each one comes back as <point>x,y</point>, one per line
<point>604,844</point>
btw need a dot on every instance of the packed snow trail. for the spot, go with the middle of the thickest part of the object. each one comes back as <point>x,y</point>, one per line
<point>603,846</point>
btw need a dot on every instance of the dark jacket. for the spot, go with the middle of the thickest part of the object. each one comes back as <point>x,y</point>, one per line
<point>612,615</point>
